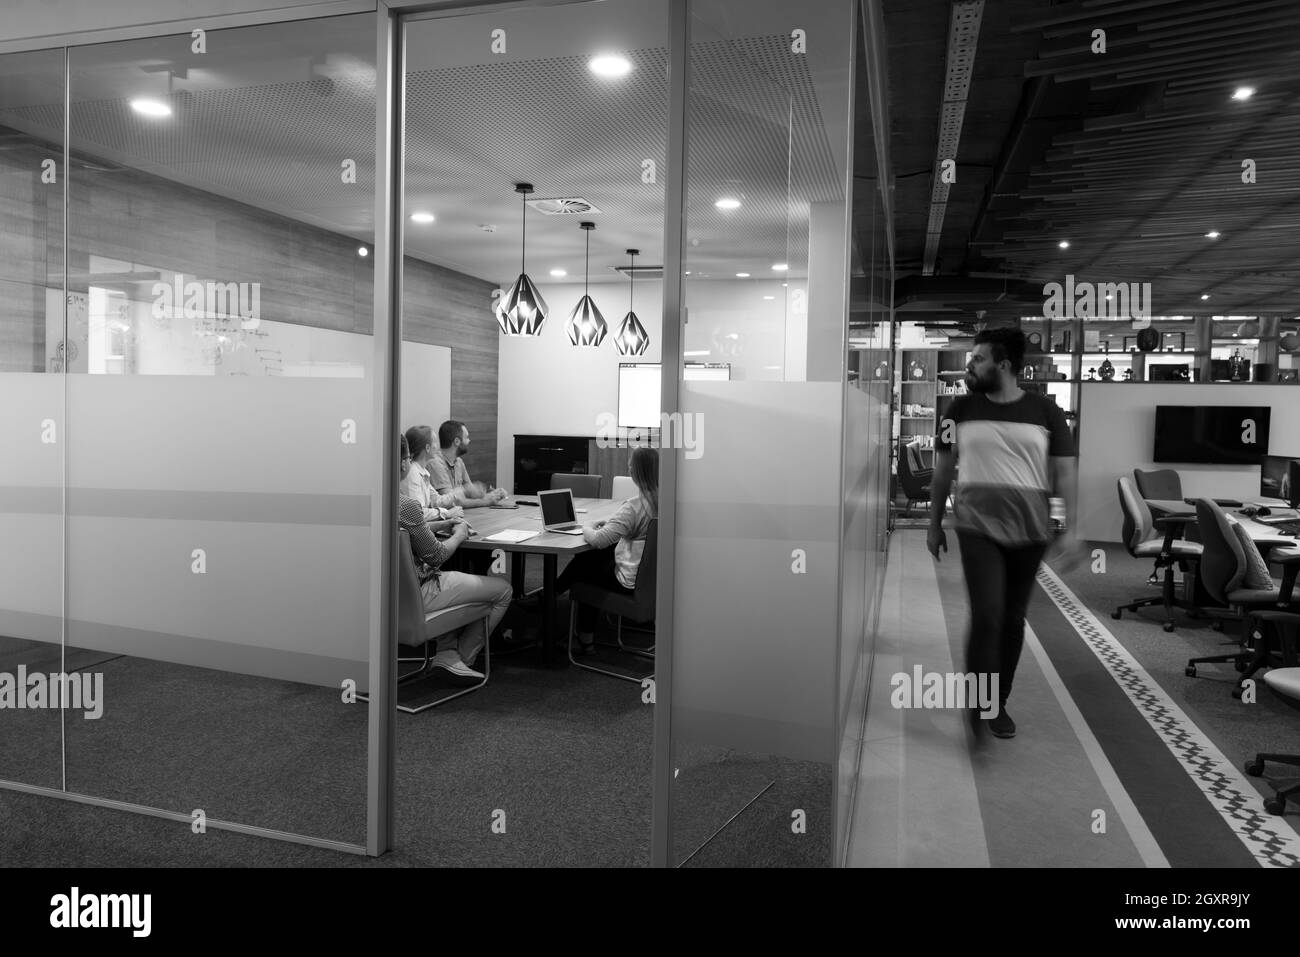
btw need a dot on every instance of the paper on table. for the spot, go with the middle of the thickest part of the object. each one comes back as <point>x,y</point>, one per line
<point>512,535</point>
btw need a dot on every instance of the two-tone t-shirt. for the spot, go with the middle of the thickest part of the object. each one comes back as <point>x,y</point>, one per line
<point>1003,452</point>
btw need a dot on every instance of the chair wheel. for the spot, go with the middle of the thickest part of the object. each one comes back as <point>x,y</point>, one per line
<point>1240,666</point>
<point>1190,671</point>
<point>1275,805</point>
<point>1236,692</point>
<point>1255,768</point>
<point>1117,614</point>
<point>1169,626</point>
<point>1218,625</point>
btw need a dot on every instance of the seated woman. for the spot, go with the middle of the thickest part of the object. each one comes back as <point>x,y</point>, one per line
<point>617,545</point>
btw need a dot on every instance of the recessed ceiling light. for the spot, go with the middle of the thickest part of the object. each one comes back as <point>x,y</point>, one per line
<point>1205,295</point>
<point>727,202</point>
<point>1064,244</point>
<point>742,275</point>
<point>149,107</point>
<point>780,267</point>
<point>696,352</point>
<point>769,297</point>
<point>1213,234</point>
<point>612,66</point>
<point>558,273</point>
<point>363,252</point>
<point>422,217</point>
<point>784,284</point>
<point>1109,297</point>
<point>1244,93</point>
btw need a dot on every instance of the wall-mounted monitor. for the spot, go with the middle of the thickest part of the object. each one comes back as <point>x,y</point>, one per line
<point>639,384</point>
<point>1211,434</point>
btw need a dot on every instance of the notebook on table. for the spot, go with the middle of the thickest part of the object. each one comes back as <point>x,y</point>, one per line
<point>511,536</point>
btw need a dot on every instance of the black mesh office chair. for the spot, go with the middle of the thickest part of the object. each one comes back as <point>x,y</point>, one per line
<point>914,479</point>
<point>1285,683</point>
<point>1159,484</point>
<point>584,486</point>
<point>638,608</point>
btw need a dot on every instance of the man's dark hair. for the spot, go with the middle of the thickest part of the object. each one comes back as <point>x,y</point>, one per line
<point>1005,343</point>
<point>402,446</point>
<point>419,438</point>
<point>449,432</point>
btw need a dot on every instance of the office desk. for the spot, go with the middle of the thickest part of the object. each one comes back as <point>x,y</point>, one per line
<point>550,545</point>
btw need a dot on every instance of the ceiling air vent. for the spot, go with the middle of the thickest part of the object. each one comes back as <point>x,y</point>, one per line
<point>565,206</point>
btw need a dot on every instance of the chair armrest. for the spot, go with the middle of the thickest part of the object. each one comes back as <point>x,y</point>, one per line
<point>1173,520</point>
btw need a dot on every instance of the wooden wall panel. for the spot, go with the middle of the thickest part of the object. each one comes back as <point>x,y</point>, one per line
<point>309,276</point>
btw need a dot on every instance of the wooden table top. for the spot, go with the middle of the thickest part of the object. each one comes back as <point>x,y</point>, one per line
<point>489,521</point>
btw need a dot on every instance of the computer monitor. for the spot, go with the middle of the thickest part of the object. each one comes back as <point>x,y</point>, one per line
<point>1279,477</point>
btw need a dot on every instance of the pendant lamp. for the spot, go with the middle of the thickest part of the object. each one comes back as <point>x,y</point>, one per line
<point>632,339</point>
<point>522,310</point>
<point>586,326</point>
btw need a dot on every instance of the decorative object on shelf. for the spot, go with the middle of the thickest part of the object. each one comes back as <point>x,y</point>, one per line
<point>522,310</point>
<point>1034,342</point>
<point>916,370</point>
<point>1107,371</point>
<point>1290,342</point>
<point>882,370</point>
<point>1028,372</point>
<point>1248,330</point>
<point>631,339</point>
<point>1128,375</point>
<point>1238,367</point>
<point>1092,375</point>
<point>1288,375</point>
<point>1148,339</point>
<point>586,326</point>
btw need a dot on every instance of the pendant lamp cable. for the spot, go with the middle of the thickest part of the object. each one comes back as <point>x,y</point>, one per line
<point>586,267</point>
<point>631,277</point>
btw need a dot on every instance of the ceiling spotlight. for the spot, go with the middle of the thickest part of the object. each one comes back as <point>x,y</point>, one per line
<point>1204,296</point>
<point>363,252</point>
<point>1213,234</point>
<point>422,217</point>
<point>727,202</point>
<point>769,297</point>
<point>611,66</point>
<point>1243,93</point>
<point>558,273</point>
<point>1064,244</point>
<point>1109,297</point>
<point>742,275</point>
<point>148,107</point>
<point>780,267</point>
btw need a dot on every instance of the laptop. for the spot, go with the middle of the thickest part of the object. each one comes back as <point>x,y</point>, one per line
<point>557,511</point>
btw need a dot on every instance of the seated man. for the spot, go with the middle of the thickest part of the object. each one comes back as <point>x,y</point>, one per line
<point>456,650</point>
<point>447,469</point>
<point>418,485</point>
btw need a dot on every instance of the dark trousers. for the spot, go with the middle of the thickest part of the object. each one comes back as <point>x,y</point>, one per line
<point>595,567</point>
<point>999,581</point>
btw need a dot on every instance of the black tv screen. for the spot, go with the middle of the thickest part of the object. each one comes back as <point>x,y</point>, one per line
<point>1211,434</point>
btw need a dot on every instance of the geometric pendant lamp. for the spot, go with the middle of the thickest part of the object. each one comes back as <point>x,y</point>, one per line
<point>522,310</point>
<point>631,339</point>
<point>586,326</point>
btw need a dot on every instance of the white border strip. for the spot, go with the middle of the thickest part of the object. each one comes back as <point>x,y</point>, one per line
<point>1148,847</point>
<point>1270,839</point>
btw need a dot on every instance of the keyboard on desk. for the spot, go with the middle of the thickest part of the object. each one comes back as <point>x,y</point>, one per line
<point>1289,527</point>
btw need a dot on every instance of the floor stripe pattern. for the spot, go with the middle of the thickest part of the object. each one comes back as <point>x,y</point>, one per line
<point>1268,838</point>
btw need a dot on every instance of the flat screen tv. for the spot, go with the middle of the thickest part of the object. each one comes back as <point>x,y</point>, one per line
<point>1211,434</point>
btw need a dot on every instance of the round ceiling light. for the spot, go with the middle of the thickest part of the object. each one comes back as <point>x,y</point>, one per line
<point>610,66</point>
<point>150,107</point>
<point>780,267</point>
<point>422,217</point>
<point>1064,244</point>
<point>727,202</point>
<point>558,273</point>
<point>1243,93</point>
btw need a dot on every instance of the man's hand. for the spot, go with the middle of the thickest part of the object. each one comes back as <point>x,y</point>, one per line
<point>935,540</point>
<point>455,512</point>
<point>445,525</point>
<point>1066,552</point>
<point>496,495</point>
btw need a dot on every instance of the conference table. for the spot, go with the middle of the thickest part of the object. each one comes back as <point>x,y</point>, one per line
<point>1266,538</point>
<point>550,545</point>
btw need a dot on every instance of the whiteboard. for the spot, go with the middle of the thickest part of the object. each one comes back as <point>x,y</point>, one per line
<point>426,386</point>
<point>639,387</point>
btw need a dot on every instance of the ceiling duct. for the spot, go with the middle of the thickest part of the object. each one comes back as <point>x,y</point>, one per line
<point>564,206</point>
<point>963,35</point>
<point>640,272</point>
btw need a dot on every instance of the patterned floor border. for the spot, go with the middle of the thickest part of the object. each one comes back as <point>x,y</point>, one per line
<point>1270,839</point>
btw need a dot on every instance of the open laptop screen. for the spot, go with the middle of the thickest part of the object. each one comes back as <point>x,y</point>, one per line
<point>557,506</point>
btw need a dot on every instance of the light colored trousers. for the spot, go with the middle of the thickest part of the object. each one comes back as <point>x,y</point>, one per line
<point>459,588</point>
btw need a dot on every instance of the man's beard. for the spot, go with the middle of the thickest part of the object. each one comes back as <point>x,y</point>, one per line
<point>979,384</point>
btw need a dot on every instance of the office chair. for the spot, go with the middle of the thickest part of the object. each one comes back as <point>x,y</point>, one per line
<point>1285,683</point>
<point>1159,484</point>
<point>416,628</point>
<point>624,488</point>
<point>1224,568</point>
<point>584,486</point>
<point>639,607</point>
<point>914,479</point>
<point>1144,539</point>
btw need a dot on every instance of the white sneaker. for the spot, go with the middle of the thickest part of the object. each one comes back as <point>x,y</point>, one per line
<point>451,662</point>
